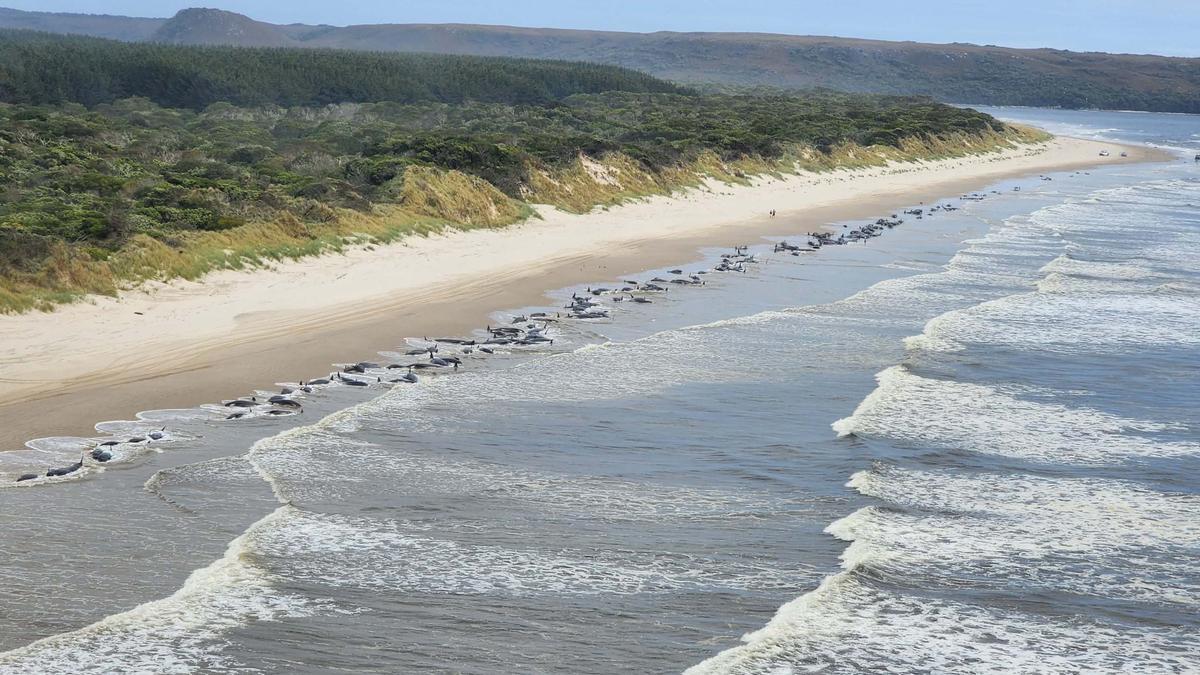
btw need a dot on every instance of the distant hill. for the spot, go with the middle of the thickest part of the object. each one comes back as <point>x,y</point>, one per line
<point>948,72</point>
<point>97,25</point>
<point>217,27</point>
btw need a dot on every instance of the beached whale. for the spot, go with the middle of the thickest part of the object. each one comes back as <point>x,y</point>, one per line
<point>409,377</point>
<point>66,470</point>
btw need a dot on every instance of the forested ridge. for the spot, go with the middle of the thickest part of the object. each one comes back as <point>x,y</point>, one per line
<point>45,68</point>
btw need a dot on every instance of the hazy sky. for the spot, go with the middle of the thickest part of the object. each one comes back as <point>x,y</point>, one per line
<point>1142,26</point>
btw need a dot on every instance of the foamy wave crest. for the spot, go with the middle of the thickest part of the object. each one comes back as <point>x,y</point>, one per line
<point>938,414</point>
<point>1073,323</point>
<point>1087,537</point>
<point>1178,287</point>
<point>752,319</point>
<point>1057,282</point>
<point>1120,210</point>
<point>178,634</point>
<point>1093,269</point>
<point>847,625</point>
<point>1125,507</point>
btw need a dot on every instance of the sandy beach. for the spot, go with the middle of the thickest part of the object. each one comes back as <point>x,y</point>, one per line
<point>184,343</point>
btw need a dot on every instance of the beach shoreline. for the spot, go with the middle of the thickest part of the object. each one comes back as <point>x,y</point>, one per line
<point>180,344</point>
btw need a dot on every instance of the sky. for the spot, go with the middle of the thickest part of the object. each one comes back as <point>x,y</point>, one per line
<point>1138,26</point>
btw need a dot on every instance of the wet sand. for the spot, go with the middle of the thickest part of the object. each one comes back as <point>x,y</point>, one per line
<point>63,372</point>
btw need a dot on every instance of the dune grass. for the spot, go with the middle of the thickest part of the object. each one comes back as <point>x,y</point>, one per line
<point>616,178</point>
<point>434,201</point>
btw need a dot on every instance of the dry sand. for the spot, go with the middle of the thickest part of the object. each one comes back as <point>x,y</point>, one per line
<point>183,343</point>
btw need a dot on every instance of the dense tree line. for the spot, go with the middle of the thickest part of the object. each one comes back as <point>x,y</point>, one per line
<point>963,74</point>
<point>41,68</point>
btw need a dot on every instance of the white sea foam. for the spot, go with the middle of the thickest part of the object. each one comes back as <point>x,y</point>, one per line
<point>1057,282</point>
<point>1099,270</point>
<point>943,414</point>
<point>849,626</point>
<point>1075,322</point>
<point>1082,548</point>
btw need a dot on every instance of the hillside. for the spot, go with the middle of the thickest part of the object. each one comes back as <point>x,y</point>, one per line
<point>949,72</point>
<point>96,25</point>
<point>44,68</point>
<point>215,27</point>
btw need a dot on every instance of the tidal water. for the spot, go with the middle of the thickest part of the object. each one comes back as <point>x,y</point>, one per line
<point>970,445</point>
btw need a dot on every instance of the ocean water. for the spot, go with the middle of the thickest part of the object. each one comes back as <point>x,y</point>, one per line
<point>970,445</point>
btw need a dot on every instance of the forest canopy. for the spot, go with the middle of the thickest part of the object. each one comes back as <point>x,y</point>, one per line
<point>105,173</point>
<point>44,68</point>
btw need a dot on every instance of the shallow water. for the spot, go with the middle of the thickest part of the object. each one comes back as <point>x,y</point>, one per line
<point>968,445</point>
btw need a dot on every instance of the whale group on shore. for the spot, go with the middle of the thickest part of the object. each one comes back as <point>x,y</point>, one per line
<point>523,331</point>
<point>438,355</point>
<point>101,454</point>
